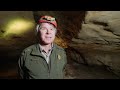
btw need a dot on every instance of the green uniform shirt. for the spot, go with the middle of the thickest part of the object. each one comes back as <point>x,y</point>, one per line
<point>32,64</point>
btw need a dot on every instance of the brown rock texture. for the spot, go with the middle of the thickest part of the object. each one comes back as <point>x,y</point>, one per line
<point>98,40</point>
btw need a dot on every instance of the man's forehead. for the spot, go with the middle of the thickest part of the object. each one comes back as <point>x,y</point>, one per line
<point>47,25</point>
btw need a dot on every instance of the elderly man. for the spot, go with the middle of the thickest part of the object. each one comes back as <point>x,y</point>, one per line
<point>44,60</point>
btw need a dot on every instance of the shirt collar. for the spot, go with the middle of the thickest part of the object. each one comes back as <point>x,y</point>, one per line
<point>41,49</point>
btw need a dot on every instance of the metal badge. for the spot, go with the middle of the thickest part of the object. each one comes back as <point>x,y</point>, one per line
<point>59,57</point>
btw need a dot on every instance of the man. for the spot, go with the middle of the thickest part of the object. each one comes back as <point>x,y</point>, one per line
<point>44,60</point>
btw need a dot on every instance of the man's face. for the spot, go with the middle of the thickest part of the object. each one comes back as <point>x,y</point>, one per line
<point>47,33</point>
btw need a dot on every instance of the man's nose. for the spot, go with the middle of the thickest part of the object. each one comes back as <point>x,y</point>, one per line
<point>48,31</point>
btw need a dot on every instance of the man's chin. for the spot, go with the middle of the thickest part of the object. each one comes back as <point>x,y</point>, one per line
<point>47,43</point>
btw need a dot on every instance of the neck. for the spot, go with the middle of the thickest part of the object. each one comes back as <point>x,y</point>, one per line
<point>46,47</point>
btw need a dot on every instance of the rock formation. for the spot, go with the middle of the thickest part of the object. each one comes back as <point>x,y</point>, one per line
<point>98,40</point>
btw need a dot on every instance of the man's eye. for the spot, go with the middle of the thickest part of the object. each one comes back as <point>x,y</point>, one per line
<point>42,28</point>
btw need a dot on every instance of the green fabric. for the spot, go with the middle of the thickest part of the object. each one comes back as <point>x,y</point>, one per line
<point>32,64</point>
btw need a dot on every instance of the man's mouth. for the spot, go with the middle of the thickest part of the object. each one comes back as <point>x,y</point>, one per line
<point>48,37</point>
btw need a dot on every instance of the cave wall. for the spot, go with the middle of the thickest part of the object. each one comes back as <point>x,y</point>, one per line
<point>98,40</point>
<point>13,37</point>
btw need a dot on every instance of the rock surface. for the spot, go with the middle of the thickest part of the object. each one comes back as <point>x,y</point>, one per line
<point>98,40</point>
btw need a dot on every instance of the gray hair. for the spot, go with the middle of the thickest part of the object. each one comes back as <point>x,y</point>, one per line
<point>37,29</point>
